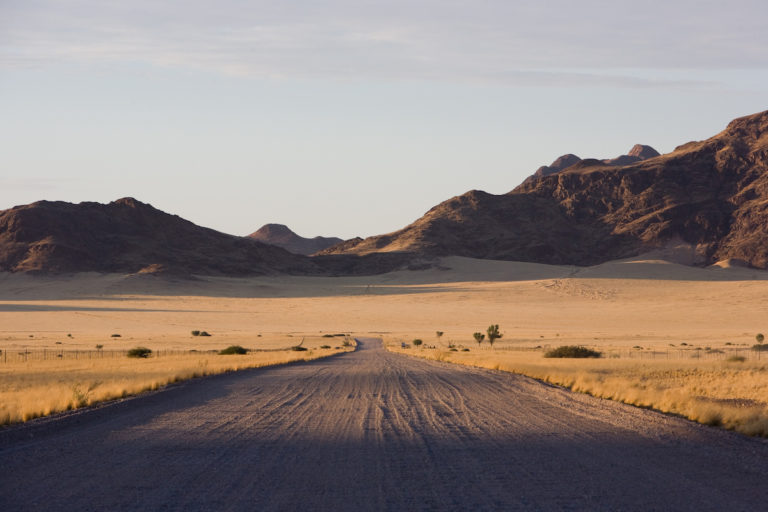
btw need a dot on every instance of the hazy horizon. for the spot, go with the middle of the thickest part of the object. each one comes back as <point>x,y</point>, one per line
<point>344,119</point>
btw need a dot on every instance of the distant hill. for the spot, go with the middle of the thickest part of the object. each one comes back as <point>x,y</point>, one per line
<point>129,236</point>
<point>281,236</point>
<point>711,195</point>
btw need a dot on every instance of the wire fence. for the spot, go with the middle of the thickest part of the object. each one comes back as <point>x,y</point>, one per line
<point>28,355</point>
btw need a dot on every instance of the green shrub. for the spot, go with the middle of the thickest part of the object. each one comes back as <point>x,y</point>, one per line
<point>232,350</point>
<point>298,348</point>
<point>116,336</point>
<point>572,351</point>
<point>759,338</point>
<point>142,352</point>
<point>493,333</point>
<point>417,342</point>
<point>204,333</point>
<point>325,346</point>
<point>465,350</point>
<point>328,336</point>
<point>195,333</point>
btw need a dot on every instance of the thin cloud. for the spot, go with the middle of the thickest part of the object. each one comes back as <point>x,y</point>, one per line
<point>455,41</point>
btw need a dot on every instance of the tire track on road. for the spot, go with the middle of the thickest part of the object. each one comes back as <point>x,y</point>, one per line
<point>372,430</point>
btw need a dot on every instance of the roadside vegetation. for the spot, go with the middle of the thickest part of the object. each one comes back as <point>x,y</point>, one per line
<point>32,386</point>
<point>572,351</point>
<point>729,389</point>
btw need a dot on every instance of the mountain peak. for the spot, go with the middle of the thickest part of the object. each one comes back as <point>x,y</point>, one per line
<point>272,230</point>
<point>643,152</point>
<point>282,236</point>
<point>130,202</point>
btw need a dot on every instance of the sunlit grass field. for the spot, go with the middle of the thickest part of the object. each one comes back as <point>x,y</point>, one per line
<point>39,387</point>
<point>710,390</point>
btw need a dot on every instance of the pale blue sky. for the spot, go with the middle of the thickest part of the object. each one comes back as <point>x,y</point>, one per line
<point>350,118</point>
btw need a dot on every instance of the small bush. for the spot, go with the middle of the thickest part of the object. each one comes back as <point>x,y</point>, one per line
<point>417,342</point>
<point>759,337</point>
<point>327,335</point>
<point>298,348</point>
<point>204,333</point>
<point>232,350</point>
<point>116,336</point>
<point>572,351</point>
<point>465,350</point>
<point>99,347</point>
<point>195,333</point>
<point>736,359</point>
<point>142,352</point>
<point>325,346</point>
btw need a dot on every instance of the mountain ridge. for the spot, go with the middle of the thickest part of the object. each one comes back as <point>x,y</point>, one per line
<point>711,194</point>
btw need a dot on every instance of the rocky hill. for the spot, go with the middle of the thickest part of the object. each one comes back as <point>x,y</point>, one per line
<point>129,236</point>
<point>711,195</point>
<point>281,236</point>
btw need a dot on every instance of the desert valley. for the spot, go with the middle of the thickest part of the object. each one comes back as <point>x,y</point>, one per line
<point>380,359</point>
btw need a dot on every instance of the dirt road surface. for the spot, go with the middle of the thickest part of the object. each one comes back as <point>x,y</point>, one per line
<point>371,430</point>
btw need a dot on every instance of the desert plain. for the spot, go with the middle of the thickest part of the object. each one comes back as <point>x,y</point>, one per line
<point>675,338</point>
<point>643,314</point>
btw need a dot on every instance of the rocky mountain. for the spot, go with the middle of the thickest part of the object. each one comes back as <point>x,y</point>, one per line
<point>711,195</point>
<point>281,236</point>
<point>562,162</point>
<point>129,236</point>
<point>637,153</point>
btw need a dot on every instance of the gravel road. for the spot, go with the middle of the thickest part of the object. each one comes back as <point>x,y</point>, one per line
<point>371,430</point>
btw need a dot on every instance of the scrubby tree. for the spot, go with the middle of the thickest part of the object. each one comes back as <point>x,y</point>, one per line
<point>439,334</point>
<point>493,333</point>
<point>759,338</point>
<point>479,337</point>
<point>417,342</point>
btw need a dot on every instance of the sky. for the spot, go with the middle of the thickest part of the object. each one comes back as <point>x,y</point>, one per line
<point>352,118</point>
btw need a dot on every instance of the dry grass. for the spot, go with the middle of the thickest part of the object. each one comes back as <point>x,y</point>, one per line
<point>38,388</point>
<point>612,307</point>
<point>728,394</point>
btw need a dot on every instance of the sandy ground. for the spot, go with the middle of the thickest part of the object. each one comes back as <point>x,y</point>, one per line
<point>640,302</point>
<point>372,430</point>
